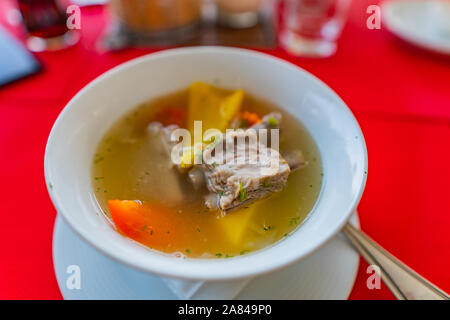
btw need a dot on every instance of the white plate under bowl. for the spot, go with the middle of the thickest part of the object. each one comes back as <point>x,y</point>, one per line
<point>425,24</point>
<point>328,273</point>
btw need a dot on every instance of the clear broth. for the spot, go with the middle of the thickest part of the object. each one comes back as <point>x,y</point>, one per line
<point>127,166</point>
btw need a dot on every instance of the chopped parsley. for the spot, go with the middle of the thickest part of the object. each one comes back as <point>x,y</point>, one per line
<point>97,160</point>
<point>188,251</point>
<point>272,122</point>
<point>218,255</point>
<point>242,192</point>
<point>266,183</point>
<point>294,221</point>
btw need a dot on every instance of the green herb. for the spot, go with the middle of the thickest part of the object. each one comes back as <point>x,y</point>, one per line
<point>198,229</point>
<point>50,186</point>
<point>293,221</point>
<point>266,183</point>
<point>218,255</point>
<point>286,235</point>
<point>310,185</point>
<point>147,173</point>
<point>242,192</point>
<point>188,251</point>
<point>151,232</point>
<point>105,191</point>
<point>243,252</point>
<point>97,160</point>
<point>228,256</point>
<point>221,193</point>
<point>144,228</point>
<point>99,178</point>
<point>321,174</point>
<point>272,122</point>
<point>213,164</point>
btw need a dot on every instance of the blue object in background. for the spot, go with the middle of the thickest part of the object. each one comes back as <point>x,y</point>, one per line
<point>16,61</point>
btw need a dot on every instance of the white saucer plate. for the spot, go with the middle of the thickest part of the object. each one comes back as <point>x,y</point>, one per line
<point>328,273</point>
<point>425,24</point>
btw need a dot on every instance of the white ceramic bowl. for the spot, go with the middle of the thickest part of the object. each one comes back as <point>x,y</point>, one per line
<point>85,119</point>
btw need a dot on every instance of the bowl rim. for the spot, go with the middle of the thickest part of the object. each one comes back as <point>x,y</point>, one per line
<point>190,274</point>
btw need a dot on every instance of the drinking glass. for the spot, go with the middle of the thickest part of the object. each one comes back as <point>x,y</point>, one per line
<point>46,24</point>
<point>312,27</point>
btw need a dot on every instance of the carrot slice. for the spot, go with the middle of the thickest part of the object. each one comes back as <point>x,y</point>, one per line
<point>169,116</point>
<point>149,225</point>
<point>251,118</point>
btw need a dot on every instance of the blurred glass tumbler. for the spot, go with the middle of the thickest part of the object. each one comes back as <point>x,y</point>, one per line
<point>46,24</point>
<point>312,27</point>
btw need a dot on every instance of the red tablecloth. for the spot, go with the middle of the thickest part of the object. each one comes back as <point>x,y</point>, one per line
<point>400,96</point>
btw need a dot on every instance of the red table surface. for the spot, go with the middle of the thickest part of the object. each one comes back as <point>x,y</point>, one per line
<point>399,95</point>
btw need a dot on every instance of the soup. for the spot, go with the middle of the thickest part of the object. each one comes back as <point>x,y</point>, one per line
<point>161,205</point>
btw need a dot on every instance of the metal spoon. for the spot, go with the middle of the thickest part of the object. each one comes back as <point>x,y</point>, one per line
<point>404,283</point>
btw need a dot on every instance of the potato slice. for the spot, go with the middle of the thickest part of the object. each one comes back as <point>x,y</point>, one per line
<point>210,105</point>
<point>237,224</point>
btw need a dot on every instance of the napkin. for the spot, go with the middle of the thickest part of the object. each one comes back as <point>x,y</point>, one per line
<point>202,290</point>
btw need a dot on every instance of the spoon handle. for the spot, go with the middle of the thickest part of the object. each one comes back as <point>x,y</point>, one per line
<point>404,283</point>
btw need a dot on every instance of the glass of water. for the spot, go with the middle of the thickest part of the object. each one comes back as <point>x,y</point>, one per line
<point>312,27</point>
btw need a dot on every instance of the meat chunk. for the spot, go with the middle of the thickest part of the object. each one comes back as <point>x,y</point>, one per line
<point>295,159</point>
<point>249,172</point>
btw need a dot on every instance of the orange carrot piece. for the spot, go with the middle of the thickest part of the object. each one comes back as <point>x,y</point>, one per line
<point>149,225</point>
<point>170,115</point>
<point>251,118</point>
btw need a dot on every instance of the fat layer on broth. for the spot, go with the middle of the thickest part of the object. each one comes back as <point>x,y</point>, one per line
<point>128,165</point>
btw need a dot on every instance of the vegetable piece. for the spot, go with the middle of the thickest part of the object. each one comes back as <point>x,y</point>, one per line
<point>272,121</point>
<point>210,105</point>
<point>187,158</point>
<point>242,192</point>
<point>170,116</point>
<point>239,224</point>
<point>149,225</point>
<point>249,118</point>
<point>235,224</point>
